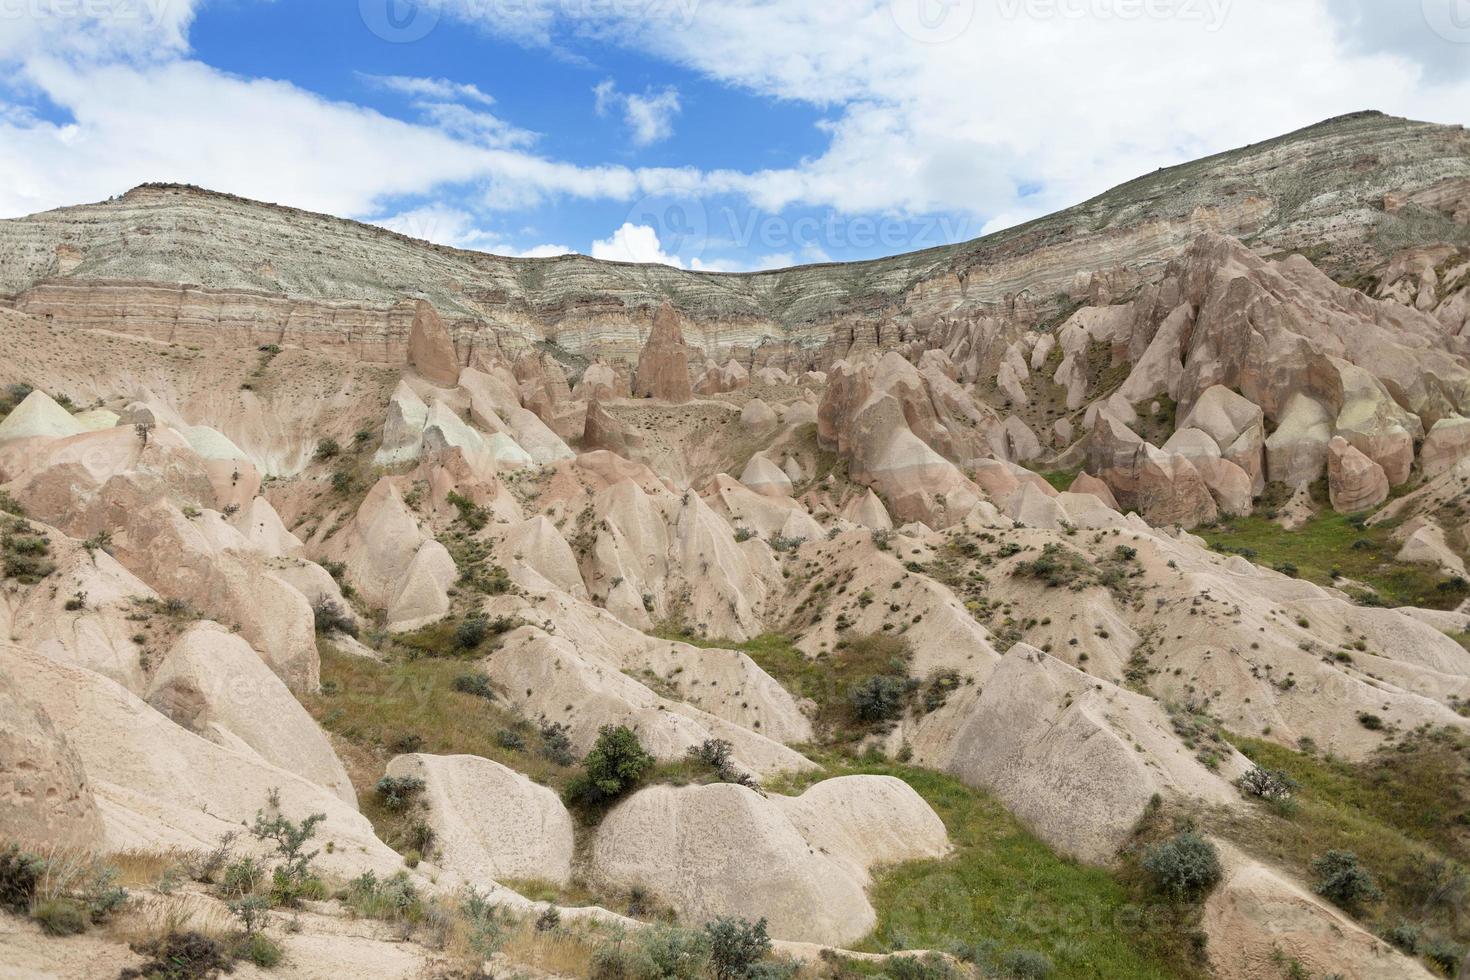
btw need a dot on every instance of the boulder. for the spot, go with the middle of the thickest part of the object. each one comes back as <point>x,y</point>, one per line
<point>765,477</point>
<point>800,863</point>
<point>1448,442</point>
<point>757,416</point>
<point>1426,545</point>
<point>1021,443</point>
<point>491,823</point>
<point>1296,452</point>
<point>1354,482</point>
<point>718,379</point>
<point>602,431</point>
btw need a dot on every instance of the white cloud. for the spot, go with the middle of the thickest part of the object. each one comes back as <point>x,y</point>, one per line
<point>439,89</point>
<point>650,116</point>
<point>1064,99</point>
<point>634,243</point>
<point>457,228</point>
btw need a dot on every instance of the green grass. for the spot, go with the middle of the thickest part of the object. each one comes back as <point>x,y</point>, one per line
<point>1400,811</point>
<point>1003,886</point>
<point>1061,480</point>
<point>826,679</point>
<point>1330,543</point>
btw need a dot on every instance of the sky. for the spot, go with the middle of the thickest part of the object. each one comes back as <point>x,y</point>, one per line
<point>724,135</point>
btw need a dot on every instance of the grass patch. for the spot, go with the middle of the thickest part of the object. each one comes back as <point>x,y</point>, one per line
<point>385,709</point>
<point>1061,480</point>
<point>1004,889</point>
<point>1334,546</point>
<point>830,679</point>
<point>1405,812</point>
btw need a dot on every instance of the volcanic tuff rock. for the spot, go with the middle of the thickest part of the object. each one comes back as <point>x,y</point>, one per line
<point>663,365</point>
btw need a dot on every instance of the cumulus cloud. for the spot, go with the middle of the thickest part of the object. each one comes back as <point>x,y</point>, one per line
<point>634,243</point>
<point>650,116</point>
<point>457,228</point>
<point>438,89</point>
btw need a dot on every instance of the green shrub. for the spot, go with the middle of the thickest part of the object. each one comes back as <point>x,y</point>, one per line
<point>1343,880</point>
<point>20,873</point>
<point>1370,721</point>
<point>735,946</point>
<point>1025,964</point>
<point>328,449</point>
<point>180,956</point>
<point>241,877</point>
<point>62,916</point>
<point>395,792</point>
<point>1186,865</point>
<point>258,948</point>
<point>471,632</point>
<point>931,966</point>
<point>670,953</point>
<point>1267,784</point>
<point>556,743</point>
<point>508,738</point>
<point>880,698</point>
<point>476,683</point>
<point>1445,955</point>
<point>330,617</point>
<point>1406,937</point>
<point>471,514</point>
<point>394,899</point>
<point>715,753</point>
<point>616,764</point>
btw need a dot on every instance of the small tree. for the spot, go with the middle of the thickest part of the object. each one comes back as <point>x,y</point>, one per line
<point>1344,881</point>
<point>328,448</point>
<point>880,698</point>
<point>1186,865</point>
<point>615,765</point>
<point>1271,785</point>
<point>735,946</point>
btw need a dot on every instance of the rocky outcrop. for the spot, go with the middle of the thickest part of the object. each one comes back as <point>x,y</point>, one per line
<point>1355,482</point>
<point>801,863</point>
<point>663,364</point>
<point>430,349</point>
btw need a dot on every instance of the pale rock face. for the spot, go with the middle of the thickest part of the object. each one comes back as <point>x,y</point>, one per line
<point>1447,443</point>
<point>730,376</point>
<point>263,530</point>
<point>802,863</point>
<point>1021,441</point>
<point>663,365</point>
<point>598,383</point>
<point>97,419</point>
<point>1087,483</point>
<point>1373,423</point>
<point>491,823</point>
<point>163,786</point>
<point>539,558</point>
<point>1062,750</point>
<point>1164,488</point>
<point>38,416</point>
<point>757,416</point>
<point>1228,484</point>
<point>48,801</point>
<point>767,514</point>
<point>1256,917</point>
<point>867,510</point>
<point>1296,452</point>
<point>403,432</point>
<point>1063,432</point>
<point>1354,481</point>
<point>214,685</point>
<point>1032,508</point>
<point>602,431</point>
<point>1425,544</point>
<point>430,348</point>
<point>792,468</point>
<point>765,477</point>
<point>772,377</point>
<point>540,442</point>
<point>423,592</point>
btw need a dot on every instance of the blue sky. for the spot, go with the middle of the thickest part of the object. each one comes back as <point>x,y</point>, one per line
<point>712,134</point>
